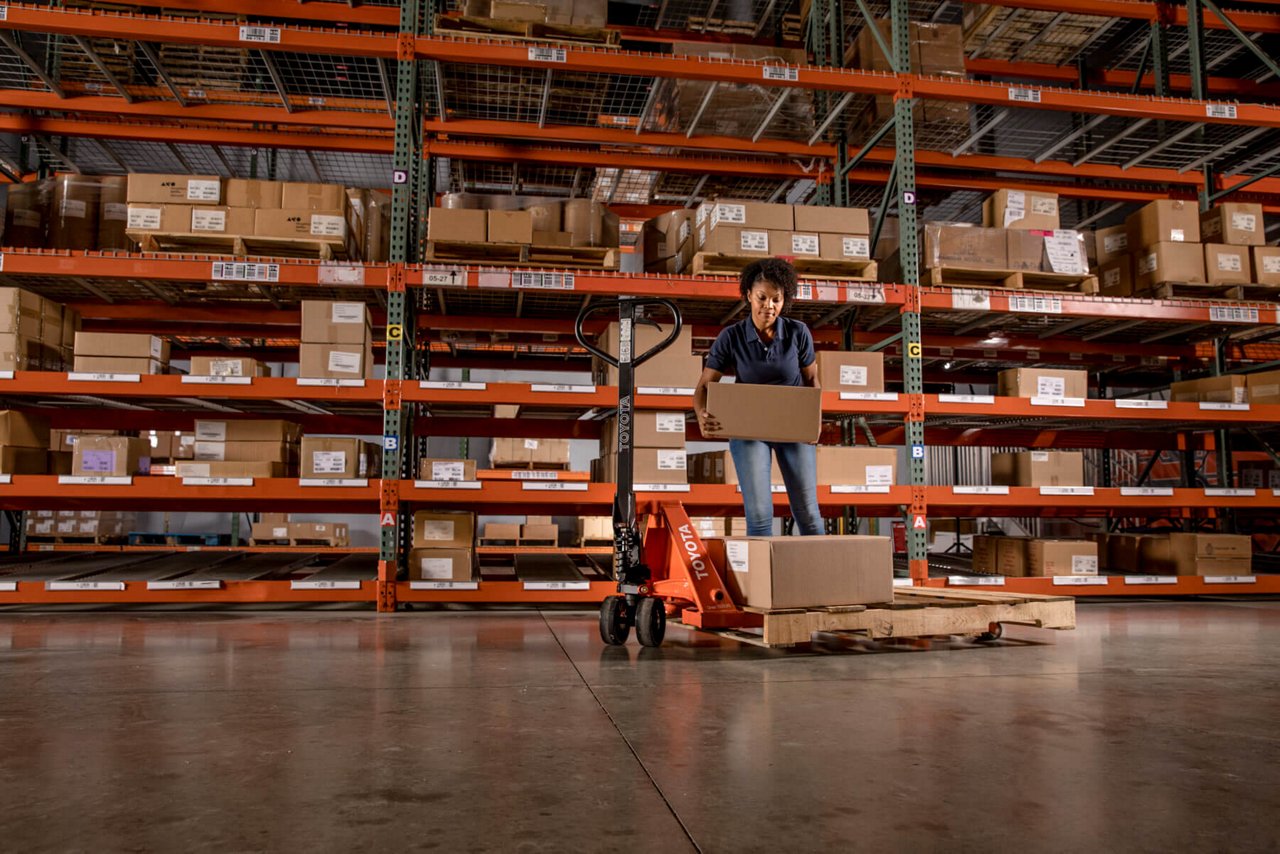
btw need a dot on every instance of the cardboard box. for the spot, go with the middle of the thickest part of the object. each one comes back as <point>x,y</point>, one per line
<point>65,440</point>
<point>16,460</point>
<point>961,245</point>
<point>1254,474</point>
<point>771,413</point>
<point>664,235</point>
<point>325,322</point>
<point>232,468</point>
<point>590,223</point>
<point>266,531</point>
<point>540,532</point>
<point>21,313</point>
<point>114,365</point>
<point>831,220</point>
<point>1042,382</point>
<point>853,371</point>
<point>247,452</point>
<point>458,225</point>
<point>442,529</point>
<point>433,469</point>
<point>1061,557</point>
<point>339,457</point>
<point>501,532</point>
<point>221,220</point>
<point>113,212</point>
<point>1227,265</point>
<point>1111,243</point>
<point>1234,223</point>
<point>1163,221</point>
<point>73,216</point>
<point>111,456</point>
<point>166,189</point>
<point>1011,556</point>
<point>227,366</point>
<point>649,465</point>
<point>167,218</point>
<point>442,564</point>
<point>796,244</point>
<point>718,467</point>
<point>674,367</point>
<point>1115,277</point>
<point>1230,388</point>
<point>1199,554</point>
<point>1266,264</point>
<point>649,430</point>
<point>806,572</point>
<point>19,353</point>
<point>739,240</point>
<point>538,520</point>
<point>18,429</point>
<point>844,247</point>
<point>328,225</point>
<point>122,344</point>
<point>252,193</point>
<point>312,197</point>
<point>594,528</point>
<point>510,226</point>
<point>985,556</point>
<point>753,215</point>
<point>336,533</point>
<point>1038,468</point>
<point>857,466</point>
<point>257,430</point>
<point>336,361</point>
<point>544,453</point>
<point>1263,387</point>
<point>1022,210</point>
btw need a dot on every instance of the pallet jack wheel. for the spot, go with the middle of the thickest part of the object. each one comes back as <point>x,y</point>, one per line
<point>651,621</point>
<point>994,633</point>
<point>614,626</point>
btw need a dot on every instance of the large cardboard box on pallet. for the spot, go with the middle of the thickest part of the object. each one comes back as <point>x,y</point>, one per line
<point>828,220</point>
<point>851,371</point>
<point>1111,243</point>
<point>269,530</point>
<point>252,193</point>
<point>337,533</point>
<point>1061,557</point>
<point>844,247</point>
<point>1011,556</point>
<point>327,226</point>
<point>1229,388</point>
<point>745,214</point>
<point>441,529</point>
<point>1227,265</point>
<point>1234,223</point>
<point>1211,554</point>
<point>1115,277</point>
<point>1038,468</point>
<point>805,572</point>
<point>594,528</point>
<point>1263,387</point>
<point>510,226</point>
<point>457,225</point>
<point>339,457</point>
<point>965,246</point>
<point>1163,221</point>
<point>1042,382</point>
<point>435,469</point>
<point>769,413</point>
<point>847,466</point>
<point>168,189</point>
<point>743,240</point>
<point>297,195</point>
<point>1266,264</point>
<point>442,564</point>
<point>336,361</point>
<point>535,453</point>
<point>111,456</point>
<point>1020,209</point>
<point>540,532</point>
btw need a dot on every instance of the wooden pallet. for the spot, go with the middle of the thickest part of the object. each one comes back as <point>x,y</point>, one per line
<point>593,543</point>
<point>63,539</point>
<point>147,538</point>
<point>701,23</point>
<point>240,246</point>
<point>1197,290</point>
<point>318,542</point>
<point>918,612</point>
<point>525,255</point>
<point>532,466</point>
<point>1255,292</point>
<point>715,264</point>
<point>973,277</point>
<point>499,28</point>
<point>499,542</point>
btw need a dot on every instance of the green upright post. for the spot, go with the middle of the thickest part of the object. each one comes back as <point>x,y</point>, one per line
<point>1195,48</point>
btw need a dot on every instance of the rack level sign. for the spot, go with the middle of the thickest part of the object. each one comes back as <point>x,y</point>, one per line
<point>444,585</point>
<point>548,54</point>
<point>203,584</point>
<point>70,586</point>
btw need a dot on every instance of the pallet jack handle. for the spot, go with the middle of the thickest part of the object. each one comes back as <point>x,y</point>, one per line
<point>636,303</point>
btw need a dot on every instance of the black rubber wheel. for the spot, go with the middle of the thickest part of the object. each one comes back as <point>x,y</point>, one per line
<point>987,637</point>
<point>651,622</point>
<point>614,626</point>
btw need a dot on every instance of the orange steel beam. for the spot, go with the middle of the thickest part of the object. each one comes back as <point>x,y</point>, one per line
<point>343,14</point>
<point>1067,75</point>
<point>1250,22</point>
<point>234,95</point>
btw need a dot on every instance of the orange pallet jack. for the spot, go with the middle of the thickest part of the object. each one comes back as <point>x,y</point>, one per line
<point>669,566</point>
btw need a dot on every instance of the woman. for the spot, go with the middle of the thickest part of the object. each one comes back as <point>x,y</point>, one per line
<point>766,349</point>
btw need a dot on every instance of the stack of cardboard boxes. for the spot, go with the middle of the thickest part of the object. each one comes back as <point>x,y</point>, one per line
<point>24,443</point>
<point>1260,389</point>
<point>576,223</point>
<point>35,333</point>
<point>98,455</point>
<point>340,458</point>
<point>120,353</point>
<point>1021,232</point>
<point>658,448</point>
<point>443,546</point>
<point>674,368</point>
<point>539,530</point>
<point>228,366</point>
<point>575,13</point>
<point>936,50</point>
<point>100,526</point>
<point>533,454</point>
<point>337,340</point>
<point>280,527</point>
<point>1020,557</point>
<point>667,242</point>
<point>243,449</point>
<point>1035,467</point>
<point>169,447</point>
<point>732,109</point>
<point>801,232</point>
<point>67,212</point>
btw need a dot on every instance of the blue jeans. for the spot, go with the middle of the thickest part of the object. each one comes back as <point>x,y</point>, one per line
<point>799,465</point>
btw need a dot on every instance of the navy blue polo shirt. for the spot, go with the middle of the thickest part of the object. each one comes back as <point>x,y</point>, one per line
<point>739,350</point>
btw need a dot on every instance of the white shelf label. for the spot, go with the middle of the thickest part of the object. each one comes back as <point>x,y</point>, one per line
<point>984,399</point>
<point>903,582</point>
<point>963,299</point>
<point>864,294</point>
<point>781,72</point>
<point>534,475</point>
<point>217,481</point>
<point>548,54</point>
<point>1035,304</point>
<point>1076,402</point>
<point>1230,579</point>
<point>444,278</point>
<point>563,389</point>
<point>1024,96</point>
<point>324,585</point>
<point>453,386</point>
<point>444,585</point>
<point>1151,579</point>
<point>1141,404</point>
<point>260,35</point>
<point>557,585</point>
<point>1224,407</point>
<point>6,478</point>
<point>6,375</point>
<point>93,480</point>
<point>330,382</point>
<point>184,585</point>
<point>1147,491</point>
<point>889,396</point>
<point>8,586</point>
<point>976,580</point>
<point>662,487</point>
<point>83,585</point>
<point>1080,581</point>
<point>245,271</point>
<point>1066,490</point>
<point>334,481</point>
<point>1233,314</point>
<point>858,489</point>
<point>1230,493</point>
<point>555,486</point>
<point>671,391</point>
<point>82,377</point>
<point>979,490</point>
<point>447,484</point>
<point>1220,111</point>
<point>340,274</point>
<point>543,281</point>
<point>187,379</point>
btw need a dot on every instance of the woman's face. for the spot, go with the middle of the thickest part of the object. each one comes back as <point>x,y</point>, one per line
<point>766,300</point>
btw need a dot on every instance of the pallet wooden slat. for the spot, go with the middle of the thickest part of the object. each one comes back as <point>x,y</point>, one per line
<point>975,277</point>
<point>715,264</point>
<point>499,28</point>
<point>525,255</point>
<point>240,246</point>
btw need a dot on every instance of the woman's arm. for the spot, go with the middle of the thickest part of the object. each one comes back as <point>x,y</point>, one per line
<point>810,375</point>
<point>706,421</point>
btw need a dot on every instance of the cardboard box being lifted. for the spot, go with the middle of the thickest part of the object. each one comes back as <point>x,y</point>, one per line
<point>771,413</point>
<point>1038,468</point>
<point>805,572</point>
<point>852,371</point>
<point>1043,382</point>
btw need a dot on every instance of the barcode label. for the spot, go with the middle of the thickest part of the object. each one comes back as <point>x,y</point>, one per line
<point>548,54</point>
<point>543,281</point>
<point>260,35</point>
<point>781,72</point>
<point>1220,111</point>
<point>1025,96</point>
<point>966,300</point>
<point>1036,304</point>
<point>1147,491</point>
<point>4,13</point>
<point>555,486</point>
<point>241,271</point>
<point>869,294</point>
<point>1233,314</point>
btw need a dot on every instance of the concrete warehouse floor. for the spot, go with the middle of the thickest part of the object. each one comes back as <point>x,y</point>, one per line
<point>1153,727</point>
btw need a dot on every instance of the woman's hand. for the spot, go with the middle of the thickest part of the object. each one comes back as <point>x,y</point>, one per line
<point>708,424</point>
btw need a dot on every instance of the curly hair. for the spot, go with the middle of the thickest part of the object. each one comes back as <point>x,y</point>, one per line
<point>773,270</point>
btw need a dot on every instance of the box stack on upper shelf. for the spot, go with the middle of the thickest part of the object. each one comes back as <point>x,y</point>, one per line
<point>936,50</point>
<point>337,341</point>
<point>561,21</point>
<point>524,231</point>
<point>36,334</point>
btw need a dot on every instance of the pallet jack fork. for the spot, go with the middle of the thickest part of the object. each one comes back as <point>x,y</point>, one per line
<point>686,579</point>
